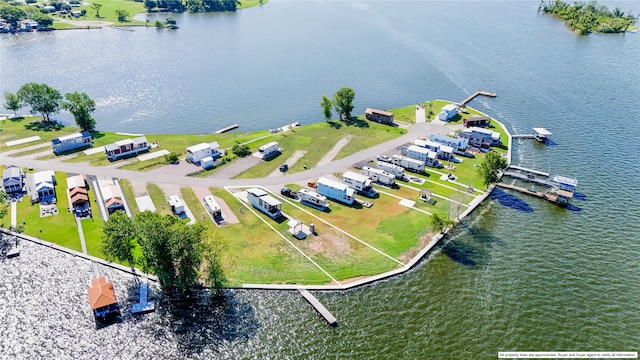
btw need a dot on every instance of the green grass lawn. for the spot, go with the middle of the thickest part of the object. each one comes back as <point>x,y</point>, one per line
<point>127,191</point>
<point>24,127</point>
<point>108,12</point>
<point>405,114</point>
<point>260,254</point>
<point>159,199</point>
<point>318,139</point>
<point>60,228</point>
<point>243,4</point>
<point>196,207</point>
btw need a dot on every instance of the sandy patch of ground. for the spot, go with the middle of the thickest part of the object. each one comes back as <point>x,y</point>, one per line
<point>329,156</point>
<point>170,189</point>
<point>181,168</point>
<point>290,161</point>
<point>85,23</point>
<point>406,256</point>
<point>328,244</point>
<point>236,167</point>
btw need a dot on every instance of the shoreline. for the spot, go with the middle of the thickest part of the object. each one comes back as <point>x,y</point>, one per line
<point>344,284</point>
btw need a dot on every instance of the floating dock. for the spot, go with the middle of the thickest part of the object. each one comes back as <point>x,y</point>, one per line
<point>225,129</point>
<point>319,307</point>
<point>532,171</point>
<point>546,196</point>
<point>528,178</point>
<point>473,96</point>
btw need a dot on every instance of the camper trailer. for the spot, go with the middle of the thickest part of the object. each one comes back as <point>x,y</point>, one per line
<point>312,198</point>
<point>379,175</point>
<point>396,170</point>
<point>408,163</point>
<point>212,206</point>
<point>176,205</point>
<point>336,190</point>
<point>357,181</point>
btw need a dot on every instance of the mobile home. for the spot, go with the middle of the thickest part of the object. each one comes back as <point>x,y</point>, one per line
<point>336,190</point>
<point>197,153</point>
<point>448,112</point>
<point>456,143</point>
<point>476,120</point>
<point>357,181</point>
<point>264,202</point>
<point>396,170</point>
<point>12,179</point>
<point>71,142</point>
<point>312,198</point>
<point>212,206</point>
<point>379,175</point>
<point>408,163</point>
<point>125,148</point>
<point>383,117</point>
<point>426,156</point>
<point>176,204</point>
<point>269,150</point>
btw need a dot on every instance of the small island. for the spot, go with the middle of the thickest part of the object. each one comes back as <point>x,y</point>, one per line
<point>585,18</point>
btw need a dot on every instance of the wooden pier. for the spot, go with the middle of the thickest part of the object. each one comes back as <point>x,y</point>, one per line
<point>528,178</point>
<point>473,96</point>
<point>531,171</point>
<point>225,129</point>
<point>546,196</point>
<point>523,136</point>
<point>319,307</point>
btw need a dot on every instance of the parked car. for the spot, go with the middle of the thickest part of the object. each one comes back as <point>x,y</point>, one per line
<point>288,193</point>
<point>284,167</point>
<point>384,158</point>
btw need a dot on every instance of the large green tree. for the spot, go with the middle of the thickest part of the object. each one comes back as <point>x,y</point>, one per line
<point>12,102</point>
<point>80,105</point>
<point>96,7</point>
<point>440,224</point>
<point>12,14</point>
<point>118,238</point>
<point>491,166</point>
<point>216,261</point>
<point>171,249</point>
<point>326,105</point>
<point>122,15</point>
<point>44,21</point>
<point>41,98</point>
<point>343,102</point>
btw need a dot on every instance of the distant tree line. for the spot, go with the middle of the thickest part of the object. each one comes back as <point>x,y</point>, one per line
<point>191,5</point>
<point>588,17</point>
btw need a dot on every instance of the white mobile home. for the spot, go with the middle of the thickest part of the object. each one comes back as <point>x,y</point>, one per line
<point>176,205</point>
<point>212,206</point>
<point>396,170</point>
<point>357,181</point>
<point>428,157</point>
<point>408,163</point>
<point>313,198</point>
<point>336,190</point>
<point>197,153</point>
<point>264,202</point>
<point>270,149</point>
<point>379,175</point>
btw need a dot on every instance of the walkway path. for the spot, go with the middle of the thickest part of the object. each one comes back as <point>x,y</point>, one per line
<point>420,114</point>
<point>329,156</point>
<point>81,233</point>
<point>290,161</point>
<point>14,214</point>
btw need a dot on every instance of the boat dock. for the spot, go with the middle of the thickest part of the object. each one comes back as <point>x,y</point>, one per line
<point>473,96</point>
<point>546,196</point>
<point>143,306</point>
<point>225,129</point>
<point>319,307</point>
<point>523,136</point>
<point>528,178</point>
<point>531,171</point>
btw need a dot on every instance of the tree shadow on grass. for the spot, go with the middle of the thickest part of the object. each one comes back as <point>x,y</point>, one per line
<point>200,320</point>
<point>16,118</point>
<point>97,134</point>
<point>354,121</point>
<point>43,125</point>
<point>334,124</point>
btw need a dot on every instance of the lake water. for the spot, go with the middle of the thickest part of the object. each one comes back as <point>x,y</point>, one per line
<point>520,274</point>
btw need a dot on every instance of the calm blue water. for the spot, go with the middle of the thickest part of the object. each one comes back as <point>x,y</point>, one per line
<point>521,274</point>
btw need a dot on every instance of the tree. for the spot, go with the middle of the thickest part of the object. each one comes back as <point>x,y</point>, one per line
<point>150,4</point>
<point>12,102</point>
<point>80,105</point>
<point>96,7</point>
<point>343,102</point>
<point>171,249</point>
<point>326,105</point>
<point>122,15</point>
<point>12,14</point>
<point>240,150</point>
<point>117,238</point>
<point>441,225</point>
<point>159,24</point>
<point>4,205</point>
<point>41,98</point>
<point>490,167</point>
<point>43,20</point>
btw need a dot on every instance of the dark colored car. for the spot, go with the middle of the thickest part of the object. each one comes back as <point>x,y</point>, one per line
<point>288,192</point>
<point>284,167</point>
